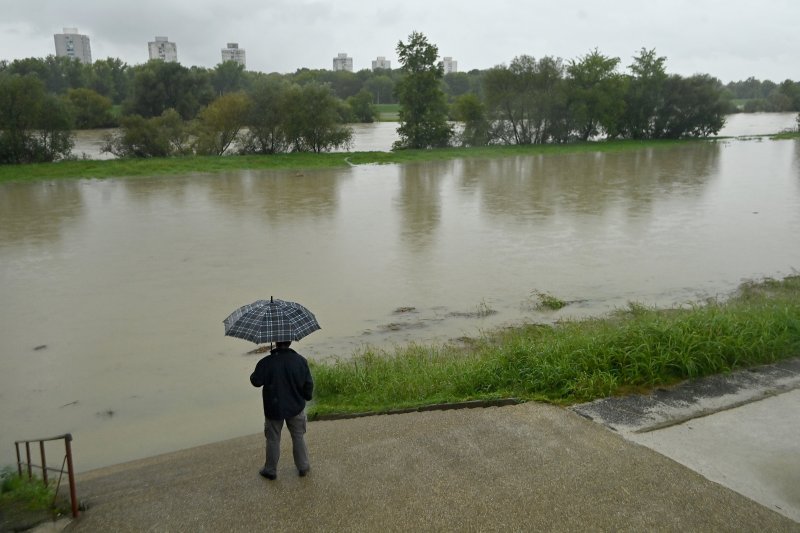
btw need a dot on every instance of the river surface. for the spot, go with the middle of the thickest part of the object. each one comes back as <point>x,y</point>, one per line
<point>114,291</point>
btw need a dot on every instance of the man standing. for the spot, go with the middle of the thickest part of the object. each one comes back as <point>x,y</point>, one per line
<point>287,385</point>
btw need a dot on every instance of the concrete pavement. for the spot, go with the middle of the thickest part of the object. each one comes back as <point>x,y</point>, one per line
<point>739,429</point>
<point>530,467</point>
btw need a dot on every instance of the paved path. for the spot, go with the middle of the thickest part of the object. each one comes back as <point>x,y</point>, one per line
<point>530,467</point>
<point>740,429</point>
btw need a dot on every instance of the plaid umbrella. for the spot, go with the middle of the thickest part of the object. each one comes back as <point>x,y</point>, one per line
<point>271,321</point>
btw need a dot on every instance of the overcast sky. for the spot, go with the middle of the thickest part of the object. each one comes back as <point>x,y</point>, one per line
<point>729,39</point>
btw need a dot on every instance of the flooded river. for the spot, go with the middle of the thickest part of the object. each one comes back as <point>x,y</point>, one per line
<point>113,291</point>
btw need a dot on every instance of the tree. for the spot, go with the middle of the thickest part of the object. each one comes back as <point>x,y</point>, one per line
<point>265,121</point>
<point>138,137</point>
<point>526,101</point>
<point>361,108</point>
<point>645,95</point>
<point>312,121</point>
<point>111,78</point>
<point>227,77</point>
<point>693,107</point>
<point>382,88</point>
<point>159,85</point>
<point>162,136</point>
<point>89,109</point>
<point>219,124</point>
<point>469,109</point>
<point>595,95</point>
<point>34,125</point>
<point>423,106</point>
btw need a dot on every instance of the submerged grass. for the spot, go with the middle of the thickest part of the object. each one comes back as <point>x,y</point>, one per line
<point>633,349</point>
<point>295,161</point>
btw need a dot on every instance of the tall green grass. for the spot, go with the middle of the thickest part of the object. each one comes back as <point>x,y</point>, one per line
<point>27,494</point>
<point>631,350</point>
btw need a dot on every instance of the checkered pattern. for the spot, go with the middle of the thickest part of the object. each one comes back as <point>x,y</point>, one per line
<point>271,321</point>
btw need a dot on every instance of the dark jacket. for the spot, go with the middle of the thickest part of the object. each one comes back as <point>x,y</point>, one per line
<point>286,382</point>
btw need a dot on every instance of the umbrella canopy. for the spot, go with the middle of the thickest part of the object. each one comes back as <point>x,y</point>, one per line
<point>271,321</point>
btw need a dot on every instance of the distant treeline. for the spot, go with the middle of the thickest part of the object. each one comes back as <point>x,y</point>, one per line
<point>202,110</point>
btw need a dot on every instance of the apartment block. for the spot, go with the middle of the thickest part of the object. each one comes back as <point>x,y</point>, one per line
<point>450,65</point>
<point>73,44</point>
<point>381,62</point>
<point>342,62</point>
<point>162,49</point>
<point>234,53</point>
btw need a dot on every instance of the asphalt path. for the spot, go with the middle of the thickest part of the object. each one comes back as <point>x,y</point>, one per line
<point>739,429</point>
<point>719,454</point>
<point>529,467</point>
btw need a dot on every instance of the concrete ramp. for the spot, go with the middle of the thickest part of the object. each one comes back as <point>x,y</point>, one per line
<point>529,467</point>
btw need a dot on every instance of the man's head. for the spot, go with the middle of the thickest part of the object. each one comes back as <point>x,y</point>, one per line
<point>283,344</point>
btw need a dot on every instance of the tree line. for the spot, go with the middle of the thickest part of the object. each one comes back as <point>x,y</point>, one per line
<point>169,109</point>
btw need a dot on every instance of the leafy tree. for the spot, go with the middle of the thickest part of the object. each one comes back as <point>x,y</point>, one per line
<point>265,122</point>
<point>219,124</point>
<point>645,95</point>
<point>693,107</point>
<point>595,95</point>
<point>138,137</point>
<point>160,85</point>
<point>361,108</point>
<point>382,88</point>
<point>456,84</point>
<point>527,101</point>
<point>469,109</point>
<point>162,136</point>
<point>228,77</point>
<point>111,78</point>
<point>423,107</point>
<point>312,121</point>
<point>34,125</point>
<point>89,109</point>
<point>176,132</point>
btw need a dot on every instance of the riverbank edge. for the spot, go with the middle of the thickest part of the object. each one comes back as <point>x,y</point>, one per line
<point>164,167</point>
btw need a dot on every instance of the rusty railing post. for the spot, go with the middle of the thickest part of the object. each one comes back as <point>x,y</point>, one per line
<point>73,495</point>
<point>28,458</point>
<point>44,462</point>
<point>19,460</point>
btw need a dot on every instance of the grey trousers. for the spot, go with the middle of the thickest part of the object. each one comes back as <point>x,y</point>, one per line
<point>297,428</point>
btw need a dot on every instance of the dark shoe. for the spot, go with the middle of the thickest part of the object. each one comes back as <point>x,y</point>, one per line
<point>302,473</point>
<point>267,475</point>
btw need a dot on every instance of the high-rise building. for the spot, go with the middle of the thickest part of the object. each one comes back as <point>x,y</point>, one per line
<point>233,53</point>
<point>450,65</point>
<point>342,62</point>
<point>381,62</point>
<point>162,49</point>
<point>73,44</point>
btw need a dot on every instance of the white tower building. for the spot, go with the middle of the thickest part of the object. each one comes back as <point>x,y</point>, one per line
<point>450,65</point>
<point>73,44</point>
<point>162,49</point>
<point>381,62</point>
<point>342,62</point>
<point>234,53</point>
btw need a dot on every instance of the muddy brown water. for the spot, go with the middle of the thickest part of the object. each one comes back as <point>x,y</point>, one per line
<point>113,291</point>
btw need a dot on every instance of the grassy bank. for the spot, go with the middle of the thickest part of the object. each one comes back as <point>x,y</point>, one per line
<point>25,503</point>
<point>632,350</point>
<point>296,161</point>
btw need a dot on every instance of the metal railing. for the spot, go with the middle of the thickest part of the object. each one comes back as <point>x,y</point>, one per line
<point>70,471</point>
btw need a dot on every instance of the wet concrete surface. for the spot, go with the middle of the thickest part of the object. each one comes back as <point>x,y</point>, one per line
<point>528,467</point>
<point>740,430</point>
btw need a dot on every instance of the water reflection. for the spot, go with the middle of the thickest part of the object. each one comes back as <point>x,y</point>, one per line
<point>419,201</point>
<point>39,211</point>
